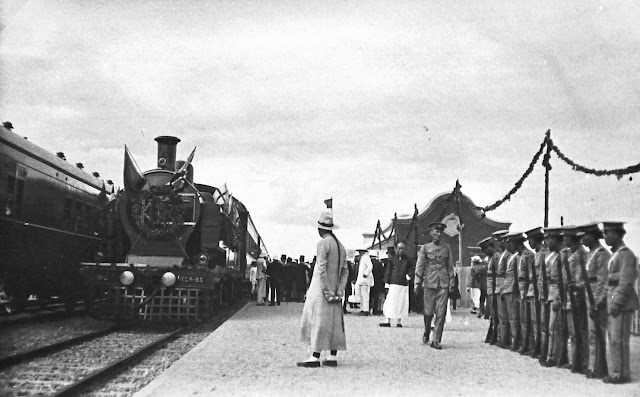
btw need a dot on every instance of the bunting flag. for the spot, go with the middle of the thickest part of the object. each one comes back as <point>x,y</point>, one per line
<point>133,179</point>
<point>329,202</point>
<point>183,170</point>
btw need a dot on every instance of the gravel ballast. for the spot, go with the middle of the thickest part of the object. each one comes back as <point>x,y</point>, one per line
<point>255,353</point>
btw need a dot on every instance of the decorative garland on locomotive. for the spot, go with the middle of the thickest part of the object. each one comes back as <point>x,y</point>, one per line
<point>186,244</point>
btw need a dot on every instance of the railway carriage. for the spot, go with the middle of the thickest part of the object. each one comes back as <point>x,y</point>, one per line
<point>173,249</point>
<point>48,224</point>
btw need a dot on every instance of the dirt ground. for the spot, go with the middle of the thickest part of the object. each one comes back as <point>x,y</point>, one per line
<point>255,353</point>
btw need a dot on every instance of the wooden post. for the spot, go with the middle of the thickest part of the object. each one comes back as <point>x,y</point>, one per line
<point>546,179</point>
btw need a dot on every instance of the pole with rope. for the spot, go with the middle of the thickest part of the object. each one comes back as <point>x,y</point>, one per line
<point>547,167</point>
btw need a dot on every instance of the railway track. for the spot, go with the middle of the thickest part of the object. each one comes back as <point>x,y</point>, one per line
<point>69,369</point>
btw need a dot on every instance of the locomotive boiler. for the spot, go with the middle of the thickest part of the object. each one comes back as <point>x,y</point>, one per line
<point>48,224</point>
<point>172,249</point>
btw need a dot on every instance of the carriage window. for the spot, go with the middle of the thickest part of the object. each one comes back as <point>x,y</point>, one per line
<point>14,190</point>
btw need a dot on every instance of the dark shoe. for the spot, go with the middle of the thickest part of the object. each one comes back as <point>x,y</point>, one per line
<point>377,313</point>
<point>615,380</point>
<point>522,351</point>
<point>425,337</point>
<point>486,317</point>
<point>550,363</point>
<point>399,326</point>
<point>329,363</point>
<point>385,325</point>
<point>272,304</point>
<point>534,355</point>
<point>479,315</point>
<point>503,345</point>
<point>309,364</point>
<point>473,312</point>
<point>590,374</point>
<point>363,313</point>
<point>436,345</point>
<point>566,366</point>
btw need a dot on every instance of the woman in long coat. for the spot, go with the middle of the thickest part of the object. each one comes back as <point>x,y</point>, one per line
<point>322,325</point>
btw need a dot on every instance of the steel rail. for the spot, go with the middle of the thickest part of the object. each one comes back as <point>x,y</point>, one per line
<point>115,366</point>
<point>46,350</point>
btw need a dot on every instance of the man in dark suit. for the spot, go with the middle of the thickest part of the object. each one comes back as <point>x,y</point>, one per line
<point>274,271</point>
<point>378,287</point>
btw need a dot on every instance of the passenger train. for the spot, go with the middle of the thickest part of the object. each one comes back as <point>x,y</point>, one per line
<point>48,225</point>
<point>172,249</point>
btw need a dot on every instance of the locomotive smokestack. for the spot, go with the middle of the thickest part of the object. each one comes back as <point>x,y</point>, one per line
<point>167,152</point>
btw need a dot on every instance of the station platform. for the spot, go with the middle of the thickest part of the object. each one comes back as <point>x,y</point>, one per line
<point>254,353</point>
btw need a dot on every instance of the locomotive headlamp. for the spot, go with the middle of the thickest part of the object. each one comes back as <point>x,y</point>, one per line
<point>203,259</point>
<point>126,278</point>
<point>168,279</point>
<point>162,162</point>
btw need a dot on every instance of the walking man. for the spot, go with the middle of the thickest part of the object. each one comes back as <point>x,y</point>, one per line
<point>435,274</point>
<point>322,325</point>
<point>623,301</point>
<point>397,275</point>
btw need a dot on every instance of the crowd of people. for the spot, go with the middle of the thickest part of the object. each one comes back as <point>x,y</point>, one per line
<point>554,294</point>
<point>562,300</point>
<point>280,280</point>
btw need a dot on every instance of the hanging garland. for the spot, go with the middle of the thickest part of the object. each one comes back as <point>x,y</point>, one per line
<point>518,184</point>
<point>158,212</point>
<point>619,173</point>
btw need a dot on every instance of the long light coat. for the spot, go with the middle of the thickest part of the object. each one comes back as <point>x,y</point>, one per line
<point>322,324</point>
<point>365,271</point>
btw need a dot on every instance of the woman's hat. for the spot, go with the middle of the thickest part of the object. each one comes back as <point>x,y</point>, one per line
<point>476,258</point>
<point>326,221</point>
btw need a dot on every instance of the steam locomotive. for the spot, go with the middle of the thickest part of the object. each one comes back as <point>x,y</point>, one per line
<point>172,249</point>
<point>48,224</point>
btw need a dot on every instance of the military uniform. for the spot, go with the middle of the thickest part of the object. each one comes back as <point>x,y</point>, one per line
<point>510,295</point>
<point>554,301</point>
<point>597,271</point>
<point>539,310</point>
<point>525,263</point>
<point>434,271</point>
<point>578,356</point>
<point>503,311</point>
<point>623,301</point>
<point>491,296</point>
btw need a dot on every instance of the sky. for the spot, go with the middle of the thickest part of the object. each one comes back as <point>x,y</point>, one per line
<point>378,104</point>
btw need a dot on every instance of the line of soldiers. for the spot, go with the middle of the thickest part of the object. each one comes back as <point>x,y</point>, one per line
<point>558,303</point>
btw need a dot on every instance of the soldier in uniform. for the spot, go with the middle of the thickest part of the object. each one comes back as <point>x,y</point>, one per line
<point>537,294</point>
<point>597,272</point>
<point>510,290</point>
<point>555,242</point>
<point>503,312</point>
<point>576,316</point>
<point>622,301</point>
<point>488,248</point>
<point>435,273</point>
<point>525,264</point>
